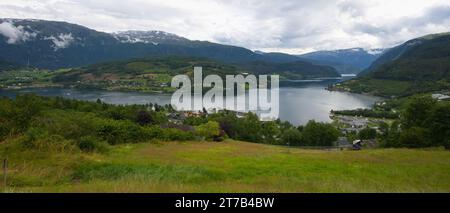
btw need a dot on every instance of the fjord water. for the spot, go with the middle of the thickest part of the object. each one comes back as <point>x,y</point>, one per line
<point>300,101</point>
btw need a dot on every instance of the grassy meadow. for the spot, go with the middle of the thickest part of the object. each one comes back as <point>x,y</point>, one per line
<point>229,166</point>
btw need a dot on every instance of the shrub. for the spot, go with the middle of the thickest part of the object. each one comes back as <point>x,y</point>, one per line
<point>208,130</point>
<point>70,125</point>
<point>37,139</point>
<point>144,118</point>
<point>92,144</point>
<point>25,107</point>
<point>367,133</point>
<point>195,121</point>
<point>4,130</point>
<point>413,138</point>
<point>117,132</point>
<point>151,132</point>
<point>176,135</point>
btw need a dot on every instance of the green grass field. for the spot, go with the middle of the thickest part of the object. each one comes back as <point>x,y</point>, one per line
<point>229,167</point>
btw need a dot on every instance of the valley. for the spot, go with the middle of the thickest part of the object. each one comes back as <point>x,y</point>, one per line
<point>89,111</point>
<point>418,66</point>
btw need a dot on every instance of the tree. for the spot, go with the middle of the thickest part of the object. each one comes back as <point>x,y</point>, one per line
<point>447,144</point>
<point>319,134</point>
<point>391,138</point>
<point>367,133</point>
<point>249,128</point>
<point>144,118</point>
<point>384,129</point>
<point>417,112</point>
<point>271,132</point>
<point>227,121</point>
<point>292,137</point>
<point>439,125</point>
<point>26,107</point>
<point>413,138</point>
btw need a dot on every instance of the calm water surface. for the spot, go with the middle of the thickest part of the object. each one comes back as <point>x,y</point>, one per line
<point>299,101</point>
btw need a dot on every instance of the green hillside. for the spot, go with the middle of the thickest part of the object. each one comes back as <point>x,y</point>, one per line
<point>422,66</point>
<point>146,74</point>
<point>155,73</point>
<point>230,166</point>
<point>291,70</point>
<point>64,145</point>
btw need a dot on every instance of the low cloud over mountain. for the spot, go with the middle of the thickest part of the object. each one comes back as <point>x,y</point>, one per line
<point>293,26</point>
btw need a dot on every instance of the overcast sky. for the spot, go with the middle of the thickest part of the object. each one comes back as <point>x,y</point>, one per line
<point>292,26</point>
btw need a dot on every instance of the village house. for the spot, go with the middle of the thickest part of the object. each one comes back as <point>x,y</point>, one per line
<point>440,96</point>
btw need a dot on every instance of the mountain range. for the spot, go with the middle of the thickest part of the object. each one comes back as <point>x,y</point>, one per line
<point>150,37</point>
<point>416,66</point>
<point>345,61</point>
<point>53,45</point>
<point>406,49</point>
<point>421,64</point>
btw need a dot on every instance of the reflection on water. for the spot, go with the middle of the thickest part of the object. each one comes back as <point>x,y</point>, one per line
<point>299,101</point>
<point>299,105</point>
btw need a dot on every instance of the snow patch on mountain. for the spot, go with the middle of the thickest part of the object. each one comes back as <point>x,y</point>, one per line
<point>61,41</point>
<point>355,49</point>
<point>375,51</point>
<point>151,37</point>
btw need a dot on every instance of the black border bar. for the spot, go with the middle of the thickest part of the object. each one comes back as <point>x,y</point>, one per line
<point>149,201</point>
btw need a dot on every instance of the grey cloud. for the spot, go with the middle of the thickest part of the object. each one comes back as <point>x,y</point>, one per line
<point>370,29</point>
<point>61,41</point>
<point>255,24</point>
<point>353,8</point>
<point>436,15</point>
<point>131,9</point>
<point>15,34</point>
